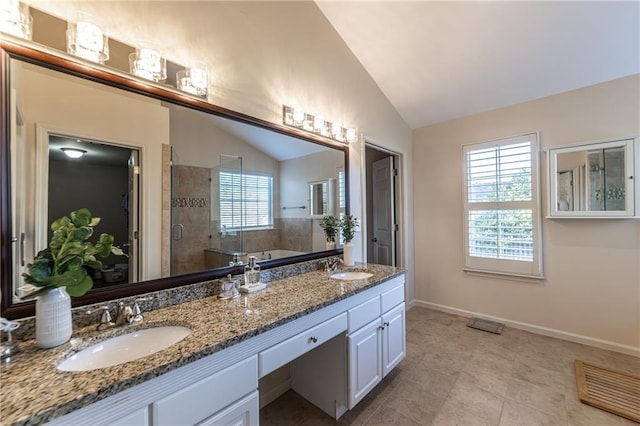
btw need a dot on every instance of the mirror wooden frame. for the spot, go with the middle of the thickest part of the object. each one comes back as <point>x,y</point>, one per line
<point>59,61</point>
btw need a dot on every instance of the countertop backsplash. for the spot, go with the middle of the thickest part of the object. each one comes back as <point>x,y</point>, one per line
<point>169,297</point>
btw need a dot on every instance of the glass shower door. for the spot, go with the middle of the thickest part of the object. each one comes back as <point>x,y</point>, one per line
<point>227,213</point>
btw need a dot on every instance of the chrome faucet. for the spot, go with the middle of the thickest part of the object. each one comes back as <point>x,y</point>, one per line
<point>124,314</point>
<point>331,266</point>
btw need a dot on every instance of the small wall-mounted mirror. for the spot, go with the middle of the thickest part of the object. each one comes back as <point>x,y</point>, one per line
<point>322,198</point>
<point>595,180</point>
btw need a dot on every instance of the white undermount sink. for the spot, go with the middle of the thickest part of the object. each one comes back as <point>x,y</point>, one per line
<point>125,348</point>
<point>351,275</point>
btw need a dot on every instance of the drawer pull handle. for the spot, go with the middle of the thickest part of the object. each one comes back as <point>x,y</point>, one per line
<point>313,339</point>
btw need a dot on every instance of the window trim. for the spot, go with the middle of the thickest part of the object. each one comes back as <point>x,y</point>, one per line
<point>515,268</point>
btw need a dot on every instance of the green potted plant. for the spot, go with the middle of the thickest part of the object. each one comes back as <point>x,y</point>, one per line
<point>331,226</point>
<point>348,225</point>
<point>61,270</point>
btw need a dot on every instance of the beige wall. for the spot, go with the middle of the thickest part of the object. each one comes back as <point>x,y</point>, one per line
<point>591,290</point>
<point>262,55</point>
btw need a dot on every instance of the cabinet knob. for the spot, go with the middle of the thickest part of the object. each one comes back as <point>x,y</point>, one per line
<point>381,327</point>
<point>313,339</point>
<point>386,324</point>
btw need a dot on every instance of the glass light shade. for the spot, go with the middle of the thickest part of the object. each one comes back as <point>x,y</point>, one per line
<point>86,40</point>
<point>148,64</point>
<point>194,81</point>
<point>298,116</point>
<point>336,131</point>
<point>318,124</point>
<point>15,19</point>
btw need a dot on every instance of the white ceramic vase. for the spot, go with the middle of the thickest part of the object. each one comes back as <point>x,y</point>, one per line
<point>348,254</point>
<point>53,318</point>
<point>331,245</point>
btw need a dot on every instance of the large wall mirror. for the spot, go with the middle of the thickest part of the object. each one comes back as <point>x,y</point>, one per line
<point>594,180</point>
<point>188,189</point>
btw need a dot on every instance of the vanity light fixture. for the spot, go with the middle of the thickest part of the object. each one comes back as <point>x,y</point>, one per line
<point>15,19</point>
<point>194,81</point>
<point>148,64</point>
<point>297,117</point>
<point>86,40</point>
<point>73,152</point>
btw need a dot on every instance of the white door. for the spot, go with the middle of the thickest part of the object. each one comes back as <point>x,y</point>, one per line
<point>365,361</point>
<point>393,338</point>
<point>383,212</point>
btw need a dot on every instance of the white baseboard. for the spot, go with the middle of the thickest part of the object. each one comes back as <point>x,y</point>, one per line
<point>274,393</point>
<point>545,331</point>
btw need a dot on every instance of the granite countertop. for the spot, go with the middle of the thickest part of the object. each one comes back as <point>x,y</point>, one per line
<point>34,391</point>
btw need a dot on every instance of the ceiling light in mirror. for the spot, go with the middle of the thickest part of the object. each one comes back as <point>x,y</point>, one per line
<point>86,40</point>
<point>148,64</point>
<point>15,19</point>
<point>194,81</point>
<point>73,152</point>
<point>296,117</point>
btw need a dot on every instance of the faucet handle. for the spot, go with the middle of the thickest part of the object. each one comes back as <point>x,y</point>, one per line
<point>137,313</point>
<point>105,318</point>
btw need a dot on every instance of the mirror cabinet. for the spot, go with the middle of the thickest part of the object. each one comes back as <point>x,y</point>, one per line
<point>594,180</point>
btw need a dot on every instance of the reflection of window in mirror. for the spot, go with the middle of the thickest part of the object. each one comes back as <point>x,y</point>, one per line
<point>592,180</point>
<point>322,197</point>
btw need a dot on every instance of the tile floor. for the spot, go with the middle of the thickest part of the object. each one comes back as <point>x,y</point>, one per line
<point>455,375</point>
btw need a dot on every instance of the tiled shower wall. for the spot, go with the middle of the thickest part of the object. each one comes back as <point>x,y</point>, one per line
<point>191,208</point>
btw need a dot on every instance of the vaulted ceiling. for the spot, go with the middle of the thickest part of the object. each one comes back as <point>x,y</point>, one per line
<point>439,60</point>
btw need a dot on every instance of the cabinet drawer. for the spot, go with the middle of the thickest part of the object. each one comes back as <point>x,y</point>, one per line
<point>392,298</point>
<point>280,354</point>
<point>364,313</point>
<point>206,397</point>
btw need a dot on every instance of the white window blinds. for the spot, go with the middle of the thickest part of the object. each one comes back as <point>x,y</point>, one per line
<point>502,206</point>
<point>246,200</point>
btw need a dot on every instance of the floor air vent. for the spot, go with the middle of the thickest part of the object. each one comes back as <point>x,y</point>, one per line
<point>486,325</point>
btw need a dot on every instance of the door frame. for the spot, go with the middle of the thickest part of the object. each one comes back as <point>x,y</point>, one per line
<point>41,219</point>
<point>398,201</point>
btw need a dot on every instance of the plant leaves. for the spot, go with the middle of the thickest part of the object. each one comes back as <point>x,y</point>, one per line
<point>81,287</point>
<point>64,263</point>
<point>36,293</point>
<point>81,217</point>
<point>117,251</point>
<point>39,271</point>
<point>82,233</point>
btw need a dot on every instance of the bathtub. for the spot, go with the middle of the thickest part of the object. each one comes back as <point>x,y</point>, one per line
<point>273,254</point>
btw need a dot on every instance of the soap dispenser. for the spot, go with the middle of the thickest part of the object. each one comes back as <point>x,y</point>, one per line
<point>252,273</point>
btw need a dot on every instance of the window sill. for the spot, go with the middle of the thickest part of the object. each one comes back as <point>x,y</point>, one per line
<point>504,275</point>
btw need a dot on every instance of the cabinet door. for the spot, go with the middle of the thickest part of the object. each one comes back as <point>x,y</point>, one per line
<point>393,338</point>
<point>139,417</point>
<point>365,361</point>
<point>243,413</point>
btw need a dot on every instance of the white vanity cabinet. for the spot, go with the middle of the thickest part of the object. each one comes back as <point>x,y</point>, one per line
<point>199,393</point>
<point>376,347</point>
<point>337,354</point>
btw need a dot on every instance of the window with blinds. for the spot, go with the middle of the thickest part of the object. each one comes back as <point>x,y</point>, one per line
<point>246,200</point>
<point>502,206</point>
